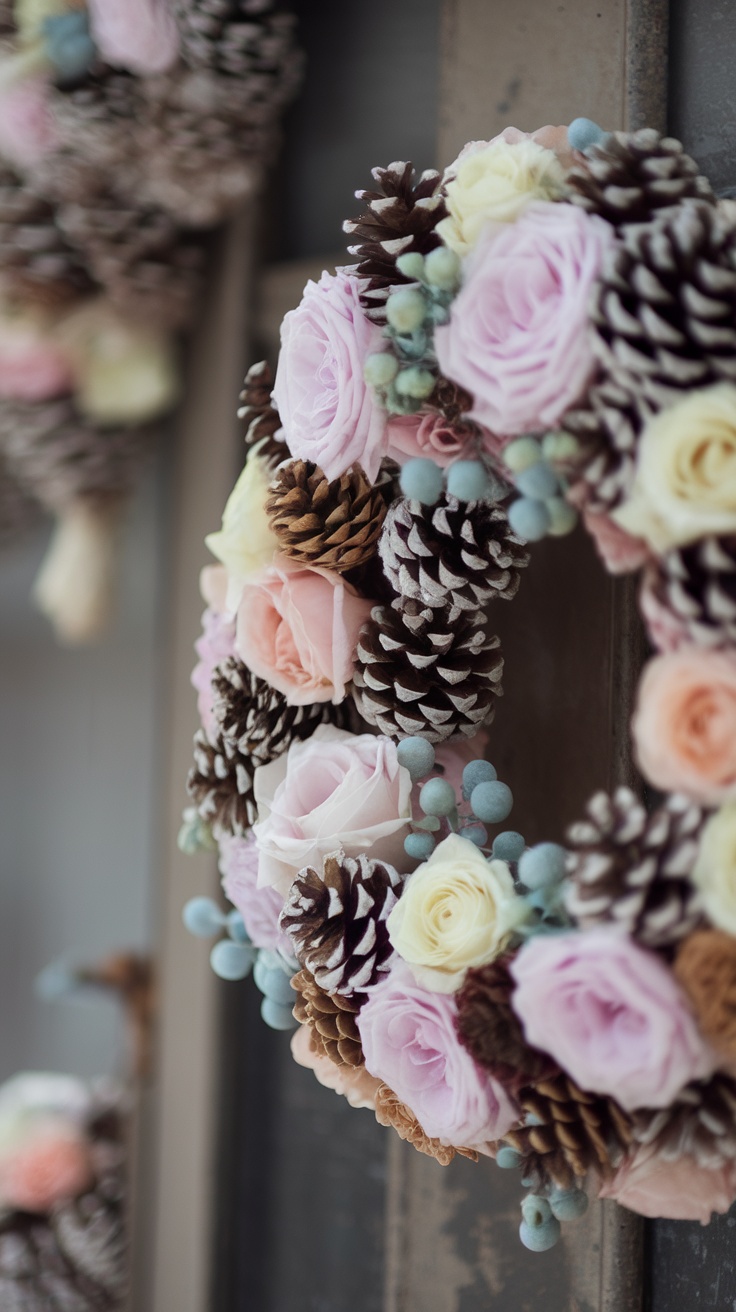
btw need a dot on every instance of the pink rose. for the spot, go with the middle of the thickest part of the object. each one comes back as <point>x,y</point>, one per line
<point>214,645</point>
<point>666,630</point>
<point>140,35</point>
<point>518,335</point>
<point>684,724</point>
<point>429,436</point>
<point>353,1082</point>
<point>260,907</point>
<point>32,369</point>
<point>410,1043</point>
<point>52,1166</point>
<point>27,126</point>
<point>335,790</point>
<point>680,1191</point>
<point>298,629</point>
<point>612,1015</point>
<point>620,552</point>
<point>328,412</point>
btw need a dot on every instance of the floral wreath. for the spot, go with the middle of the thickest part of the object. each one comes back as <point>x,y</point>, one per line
<point>546,330</point>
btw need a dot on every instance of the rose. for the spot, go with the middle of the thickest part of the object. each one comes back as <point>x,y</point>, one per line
<point>456,911</point>
<point>430,436</point>
<point>684,724</point>
<point>552,138</point>
<point>246,544</point>
<point>260,907</point>
<point>326,408</point>
<point>685,482</point>
<point>715,867</point>
<point>52,1164</point>
<point>518,337</point>
<point>297,627</point>
<point>410,1043</point>
<point>214,645</point>
<point>682,1190</point>
<point>612,1015</point>
<point>140,35</point>
<point>335,790</point>
<point>353,1082</point>
<point>495,182</point>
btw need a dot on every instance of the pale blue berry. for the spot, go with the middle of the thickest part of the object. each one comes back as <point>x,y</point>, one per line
<point>274,984</point>
<point>202,917</point>
<point>415,382</point>
<point>583,132</point>
<point>475,833</point>
<point>381,369</point>
<point>442,269</point>
<point>419,846</point>
<point>411,264</point>
<point>535,1210</point>
<point>562,517</point>
<point>542,865</point>
<point>417,755</point>
<point>492,801</point>
<point>406,310</point>
<point>508,846</point>
<point>538,481</point>
<point>539,1238</point>
<point>422,480</point>
<point>522,453</point>
<point>231,960</point>
<point>236,927</point>
<point>467,480</point>
<point>438,797</point>
<point>529,519</point>
<point>476,772</point>
<point>508,1158</point>
<point>569,1204</point>
<point>276,1016</point>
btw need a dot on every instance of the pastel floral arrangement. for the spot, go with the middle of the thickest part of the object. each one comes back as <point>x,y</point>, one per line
<point>543,332</point>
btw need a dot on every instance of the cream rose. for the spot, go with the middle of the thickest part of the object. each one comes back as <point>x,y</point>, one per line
<point>715,868</point>
<point>457,910</point>
<point>685,484</point>
<point>246,543</point>
<point>495,184</point>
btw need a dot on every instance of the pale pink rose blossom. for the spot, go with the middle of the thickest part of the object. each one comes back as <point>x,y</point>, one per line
<point>679,1191</point>
<point>428,436</point>
<point>54,1165</point>
<point>259,906</point>
<point>140,35</point>
<point>335,790</point>
<point>27,126</point>
<point>352,1082</point>
<point>297,628</point>
<point>620,552</point>
<point>684,723</point>
<point>214,645</point>
<point>410,1042</point>
<point>518,337</point>
<point>327,410</point>
<point>611,1013</point>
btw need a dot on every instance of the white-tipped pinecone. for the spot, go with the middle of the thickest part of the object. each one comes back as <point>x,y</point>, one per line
<point>221,785</point>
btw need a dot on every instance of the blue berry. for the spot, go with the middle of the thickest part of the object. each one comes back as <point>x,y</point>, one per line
<point>422,480</point>
<point>492,801</point>
<point>476,772</point>
<point>475,833</point>
<point>69,46</point>
<point>467,480</point>
<point>278,1017</point>
<point>569,1204</point>
<point>538,481</point>
<point>559,446</point>
<point>508,1158</point>
<point>535,1210</point>
<point>542,865</point>
<point>562,517</point>
<point>529,519</point>
<point>419,846</point>
<point>522,453</point>
<point>508,846</point>
<point>438,797</point>
<point>274,984</point>
<point>540,1237</point>
<point>417,755</point>
<point>231,960</point>
<point>236,927</point>
<point>583,132</point>
<point>202,917</point>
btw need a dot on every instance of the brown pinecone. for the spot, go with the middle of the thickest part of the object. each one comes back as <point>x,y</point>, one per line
<point>391,1111</point>
<point>401,216</point>
<point>700,1123</point>
<point>418,673</point>
<point>705,966</point>
<point>333,523</point>
<point>491,1031</point>
<point>336,920</point>
<point>454,554</point>
<point>630,176</point>
<point>36,261</point>
<point>664,308</point>
<point>255,720</point>
<point>696,586</point>
<point>568,1133</point>
<point>242,38</point>
<point>607,429</point>
<point>331,1019</point>
<point>260,417</point>
<point>221,784</point>
<point>631,869</point>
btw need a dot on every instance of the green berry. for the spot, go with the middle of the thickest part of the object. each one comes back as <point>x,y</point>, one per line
<point>442,269</point>
<point>406,310</point>
<point>415,382</point>
<point>559,447</point>
<point>562,517</point>
<point>411,265</point>
<point>381,369</point>
<point>522,453</point>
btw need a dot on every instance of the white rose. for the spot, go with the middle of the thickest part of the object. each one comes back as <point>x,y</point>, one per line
<point>246,544</point>
<point>715,868</point>
<point>494,185</point>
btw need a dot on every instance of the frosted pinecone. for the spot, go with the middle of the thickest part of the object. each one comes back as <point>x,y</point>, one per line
<point>255,720</point>
<point>693,591</point>
<point>628,177</point>
<point>221,785</point>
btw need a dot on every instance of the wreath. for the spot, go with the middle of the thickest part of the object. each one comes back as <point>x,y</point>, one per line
<point>546,331</point>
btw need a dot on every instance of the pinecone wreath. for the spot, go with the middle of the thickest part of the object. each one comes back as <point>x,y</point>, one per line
<point>221,785</point>
<point>255,720</point>
<point>630,176</point>
<point>401,215</point>
<point>336,921</point>
<point>334,524</point>
<point>455,555</point>
<point>567,1133</point>
<point>418,672</point>
<point>633,870</point>
<point>694,587</point>
<point>331,1020</point>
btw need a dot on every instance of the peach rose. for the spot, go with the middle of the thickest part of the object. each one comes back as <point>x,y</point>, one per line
<point>353,1082</point>
<point>684,725</point>
<point>52,1166</point>
<point>679,1191</point>
<point>298,628</point>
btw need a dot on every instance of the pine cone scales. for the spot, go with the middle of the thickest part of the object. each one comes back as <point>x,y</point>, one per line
<point>331,1020</point>
<point>36,260</point>
<point>489,1028</point>
<point>255,720</point>
<point>630,176</point>
<point>568,1133</point>
<point>261,420</point>
<point>608,430</point>
<point>453,554</point>
<point>401,216</point>
<point>633,869</point>
<point>700,1123</point>
<point>695,585</point>
<point>337,921</point>
<point>416,672</point>
<point>334,524</point>
<point>221,786</point>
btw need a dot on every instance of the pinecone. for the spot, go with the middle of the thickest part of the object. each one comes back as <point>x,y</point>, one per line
<point>417,672</point>
<point>489,1028</point>
<point>664,308</point>
<point>221,784</point>
<point>453,554</point>
<point>633,870</point>
<point>334,523</point>
<point>694,590</point>
<point>391,1111</point>
<point>705,966</point>
<point>36,261</point>
<point>336,920</point>
<point>700,1123</point>
<point>608,429</point>
<point>400,216</point>
<point>630,176</point>
<point>261,419</point>
<point>568,1133</point>
<point>331,1019</point>
<point>241,38</point>
<point>255,721</point>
